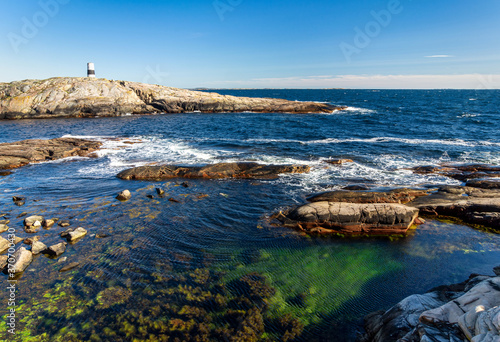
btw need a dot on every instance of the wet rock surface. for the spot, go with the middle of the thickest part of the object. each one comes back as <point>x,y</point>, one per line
<point>84,97</point>
<point>461,172</point>
<point>20,153</point>
<point>22,259</point>
<point>470,204</point>
<point>214,171</point>
<point>465,311</point>
<point>350,218</point>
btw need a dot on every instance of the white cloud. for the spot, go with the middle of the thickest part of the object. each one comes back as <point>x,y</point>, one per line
<point>440,56</point>
<point>466,81</point>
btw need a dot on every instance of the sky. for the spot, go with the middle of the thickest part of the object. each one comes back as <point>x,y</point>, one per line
<point>256,43</point>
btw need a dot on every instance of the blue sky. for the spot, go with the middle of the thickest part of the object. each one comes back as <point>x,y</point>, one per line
<point>257,43</point>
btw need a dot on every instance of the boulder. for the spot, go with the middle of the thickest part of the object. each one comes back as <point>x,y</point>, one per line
<point>22,259</point>
<point>3,261</point>
<point>446,313</point>
<point>214,171</point>
<point>38,247</point>
<point>20,153</point>
<point>350,218</point>
<point>86,97</point>
<point>56,250</point>
<point>33,221</point>
<point>75,234</point>
<point>63,223</point>
<point>47,223</point>
<point>3,228</point>
<point>4,244</point>
<point>124,195</point>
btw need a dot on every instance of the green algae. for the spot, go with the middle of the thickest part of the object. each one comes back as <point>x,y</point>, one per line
<point>323,277</point>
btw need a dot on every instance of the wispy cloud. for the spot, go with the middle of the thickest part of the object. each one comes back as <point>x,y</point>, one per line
<point>466,81</point>
<point>440,56</point>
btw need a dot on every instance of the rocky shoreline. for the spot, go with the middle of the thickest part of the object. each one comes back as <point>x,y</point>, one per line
<point>448,313</point>
<point>84,97</point>
<point>466,311</point>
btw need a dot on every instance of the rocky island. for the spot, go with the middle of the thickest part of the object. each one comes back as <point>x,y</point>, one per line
<point>90,97</point>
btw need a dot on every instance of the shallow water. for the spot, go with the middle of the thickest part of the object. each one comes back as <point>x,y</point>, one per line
<point>157,245</point>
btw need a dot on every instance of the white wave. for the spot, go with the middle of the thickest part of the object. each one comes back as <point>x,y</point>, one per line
<point>451,142</point>
<point>468,115</point>
<point>472,99</point>
<point>358,110</point>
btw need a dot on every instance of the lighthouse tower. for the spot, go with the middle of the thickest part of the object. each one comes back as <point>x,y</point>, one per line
<point>90,70</point>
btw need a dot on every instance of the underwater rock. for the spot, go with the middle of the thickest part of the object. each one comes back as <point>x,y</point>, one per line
<point>112,296</point>
<point>393,196</point>
<point>69,266</point>
<point>214,171</point>
<point>472,205</point>
<point>23,259</point>
<point>75,234</point>
<point>350,218</point>
<point>63,223</point>
<point>38,247</point>
<point>30,240</point>
<point>445,313</point>
<point>20,153</point>
<point>124,195</point>
<point>56,250</point>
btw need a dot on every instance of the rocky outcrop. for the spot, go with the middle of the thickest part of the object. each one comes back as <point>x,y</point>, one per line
<point>214,171</point>
<point>393,196</point>
<point>465,311</point>
<point>470,204</point>
<point>86,97</point>
<point>350,218</point>
<point>461,172</point>
<point>20,153</point>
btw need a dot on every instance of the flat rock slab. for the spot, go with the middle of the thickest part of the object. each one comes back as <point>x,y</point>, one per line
<point>351,218</point>
<point>461,172</point>
<point>394,196</point>
<point>20,153</point>
<point>86,97</point>
<point>472,205</point>
<point>214,171</point>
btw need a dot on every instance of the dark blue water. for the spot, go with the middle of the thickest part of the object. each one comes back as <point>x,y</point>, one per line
<point>384,132</point>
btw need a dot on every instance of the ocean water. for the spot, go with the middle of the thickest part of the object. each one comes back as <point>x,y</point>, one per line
<point>222,227</point>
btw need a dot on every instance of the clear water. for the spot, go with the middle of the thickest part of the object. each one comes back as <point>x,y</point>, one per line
<point>156,244</point>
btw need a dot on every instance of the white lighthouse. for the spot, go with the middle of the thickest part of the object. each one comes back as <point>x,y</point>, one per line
<point>90,70</point>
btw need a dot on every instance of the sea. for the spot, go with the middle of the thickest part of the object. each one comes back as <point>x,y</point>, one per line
<point>206,262</point>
